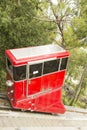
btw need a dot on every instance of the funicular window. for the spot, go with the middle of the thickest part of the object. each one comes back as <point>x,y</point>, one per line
<point>51,66</point>
<point>35,70</point>
<point>19,73</point>
<point>63,63</point>
<point>9,66</point>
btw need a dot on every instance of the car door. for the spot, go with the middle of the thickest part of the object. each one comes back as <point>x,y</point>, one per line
<point>34,74</point>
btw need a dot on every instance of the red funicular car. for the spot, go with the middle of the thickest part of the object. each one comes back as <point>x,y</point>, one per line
<point>35,76</point>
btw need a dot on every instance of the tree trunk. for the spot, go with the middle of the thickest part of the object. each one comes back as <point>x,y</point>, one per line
<point>60,24</point>
<point>79,87</point>
<point>18,2</point>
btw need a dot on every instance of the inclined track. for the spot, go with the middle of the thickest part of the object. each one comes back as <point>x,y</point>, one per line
<point>5,105</point>
<point>10,117</point>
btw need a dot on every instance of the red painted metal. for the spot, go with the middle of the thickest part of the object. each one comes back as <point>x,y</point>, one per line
<point>43,93</point>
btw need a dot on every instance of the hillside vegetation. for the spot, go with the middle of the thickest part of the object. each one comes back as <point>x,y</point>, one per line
<point>37,22</point>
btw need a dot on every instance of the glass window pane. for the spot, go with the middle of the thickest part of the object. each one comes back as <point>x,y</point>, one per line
<point>63,63</point>
<point>35,70</point>
<point>9,65</point>
<point>51,66</point>
<point>19,73</point>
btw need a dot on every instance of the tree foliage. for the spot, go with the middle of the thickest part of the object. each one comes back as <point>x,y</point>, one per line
<point>19,28</point>
<point>61,14</point>
<point>70,19</point>
<point>37,22</point>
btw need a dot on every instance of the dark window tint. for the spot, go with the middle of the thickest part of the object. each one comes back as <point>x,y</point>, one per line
<point>63,63</point>
<point>19,73</point>
<point>35,70</point>
<point>51,66</point>
<point>9,65</point>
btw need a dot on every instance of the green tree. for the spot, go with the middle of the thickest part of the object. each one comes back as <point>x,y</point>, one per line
<point>61,15</point>
<point>71,30</point>
<point>80,29</point>
<point>76,91</point>
<point>19,28</point>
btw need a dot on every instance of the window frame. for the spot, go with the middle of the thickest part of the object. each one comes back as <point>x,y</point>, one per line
<point>36,75</point>
<point>9,71</point>
<point>52,71</point>
<point>60,69</point>
<point>25,73</point>
<point>41,61</point>
<point>36,62</point>
<point>28,68</point>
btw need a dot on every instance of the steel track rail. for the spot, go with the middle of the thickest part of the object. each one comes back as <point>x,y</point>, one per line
<point>5,105</point>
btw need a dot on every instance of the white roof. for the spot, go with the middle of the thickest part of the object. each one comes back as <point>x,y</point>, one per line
<point>36,51</point>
